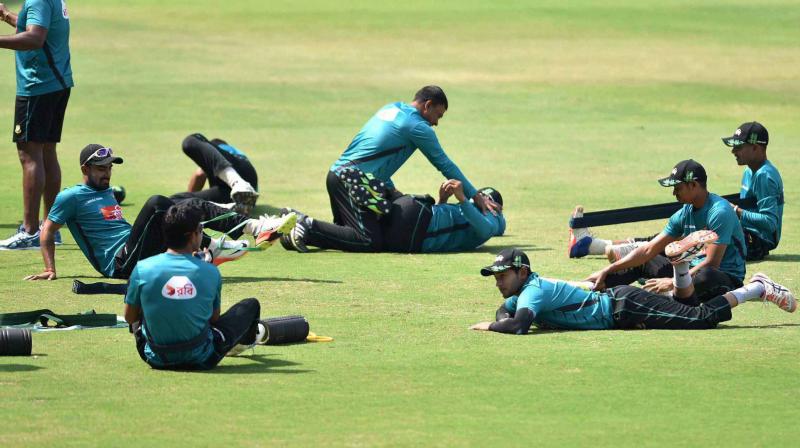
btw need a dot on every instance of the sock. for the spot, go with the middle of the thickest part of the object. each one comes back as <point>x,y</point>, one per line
<point>261,335</point>
<point>750,291</point>
<point>681,278</point>
<point>598,246</point>
<point>230,176</point>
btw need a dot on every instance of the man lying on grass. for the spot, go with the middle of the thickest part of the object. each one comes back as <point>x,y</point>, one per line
<point>556,304</point>
<point>113,246</point>
<point>173,303</point>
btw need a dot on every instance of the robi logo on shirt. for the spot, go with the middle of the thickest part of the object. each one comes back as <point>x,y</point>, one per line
<point>111,212</point>
<point>179,287</point>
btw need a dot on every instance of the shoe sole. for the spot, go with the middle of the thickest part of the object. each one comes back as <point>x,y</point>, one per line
<point>693,243</point>
<point>245,199</point>
<point>275,235</point>
<point>367,191</point>
<point>21,248</point>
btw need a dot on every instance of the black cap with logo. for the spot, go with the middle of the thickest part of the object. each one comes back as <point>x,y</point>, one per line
<point>752,132</point>
<point>505,260</point>
<point>94,154</point>
<point>685,171</point>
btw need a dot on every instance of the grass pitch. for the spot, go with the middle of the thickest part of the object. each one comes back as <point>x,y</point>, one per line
<point>553,103</point>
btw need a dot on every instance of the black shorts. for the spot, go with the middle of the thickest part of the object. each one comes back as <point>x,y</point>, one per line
<point>40,118</point>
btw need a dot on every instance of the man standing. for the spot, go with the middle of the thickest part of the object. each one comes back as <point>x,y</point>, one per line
<point>173,303</point>
<point>556,304</point>
<point>762,181</point>
<point>722,267</point>
<point>359,183</point>
<point>44,80</point>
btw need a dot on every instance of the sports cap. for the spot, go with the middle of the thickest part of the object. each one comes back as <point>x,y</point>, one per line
<point>94,154</point>
<point>752,132</point>
<point>505,260</point>
<point>685,171</point>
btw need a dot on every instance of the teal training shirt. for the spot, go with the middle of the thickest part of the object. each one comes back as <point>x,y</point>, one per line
<point>766,218</point>
<point>716,214</point>
<point>557,304</point>
<point>95,220</point>
<point>46,69</point>
<point>460,227</point>
<point>177,293</point>
<point>389,138</point>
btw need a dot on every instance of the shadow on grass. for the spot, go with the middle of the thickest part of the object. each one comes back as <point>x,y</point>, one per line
<point>263,209</point>
<point>232,279</point>
<point>261,364</point>
<point>19,368</point>
<point>9,226</point>
<point>762,327</point>
<point>780,258</point>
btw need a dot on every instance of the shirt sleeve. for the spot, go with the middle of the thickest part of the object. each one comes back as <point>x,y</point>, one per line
<point>39,13</point>
<point>132,297</point>
<point>722,220</point>
<point>765,217</point>
<point>674,227</point>
<point>425,139</point>
<point>63,208</point>
<point>484,226</point>
<point>511,304</point>
<point>532,298</point>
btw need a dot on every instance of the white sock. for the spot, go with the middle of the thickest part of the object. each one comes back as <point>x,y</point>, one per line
<point>261,334</point>
<point>750,291</point>
<point>230,176</point>
<point>251,226</point>
<point>598,246</point>
<point>681,278</point>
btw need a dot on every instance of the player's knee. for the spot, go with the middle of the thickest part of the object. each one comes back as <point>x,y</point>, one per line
<point>191,141</point>
<point>159,202</point>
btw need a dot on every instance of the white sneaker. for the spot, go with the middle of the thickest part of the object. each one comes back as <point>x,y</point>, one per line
<point>271,228</point>
<point>21,240</point>
<point>238,349</point>
<point>776,293</point>
<point>620,251</point>
<point>244,195</point>
<point>261,339</point>
<point>223,250</point>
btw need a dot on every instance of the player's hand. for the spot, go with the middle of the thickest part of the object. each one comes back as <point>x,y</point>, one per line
<point>658,285</point>
<point>444,194</point>
<point>46,275</point>
<point>599,279</point>
<point>481,326</point>
<point>486,204</point>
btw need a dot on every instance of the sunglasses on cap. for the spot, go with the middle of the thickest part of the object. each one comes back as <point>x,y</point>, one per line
<point>101,153</point>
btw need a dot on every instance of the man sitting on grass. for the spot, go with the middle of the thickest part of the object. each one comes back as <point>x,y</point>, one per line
<point>173,303</point>
<point>113,246</point>
<point>556,304</point>
<point>415,224</point>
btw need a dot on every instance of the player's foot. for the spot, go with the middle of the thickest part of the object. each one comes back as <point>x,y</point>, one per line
<point>238,349</point>
<point>295,239</point>
<point>776,293</point>
<point>617,252</point>
<point>223,250</point>
<point>244,195</point>
<point>690,247</point>
<point>21,240</point>
<point>579,239</point>
<point>262,335</point>
<point>286,210</point>
<point>271,228</point>
<point>366,190</point>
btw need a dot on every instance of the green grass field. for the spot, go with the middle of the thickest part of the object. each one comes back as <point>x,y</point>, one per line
<point>554,103</point>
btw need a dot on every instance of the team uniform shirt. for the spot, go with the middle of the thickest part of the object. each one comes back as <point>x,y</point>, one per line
<point>177,293</point>
<point>559,305</point>
<point>46,69</point>
<point>460,227</point>
<point>717,215</point>
<point>95,220</point>
<point>232,150</point>
<point>389,138</point>
<point>766,186</point>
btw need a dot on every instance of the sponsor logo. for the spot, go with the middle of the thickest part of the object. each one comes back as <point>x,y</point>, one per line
<point>179,287</point>
<point>18,130</point>
<point>498,258</point>
<point>738,132</point>
<point>111,212</point>
<point>674,171</point>
<point>388,114</point>
<point>92,200</point>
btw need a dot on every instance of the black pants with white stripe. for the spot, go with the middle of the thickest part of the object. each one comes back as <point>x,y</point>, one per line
<point>637,308</point>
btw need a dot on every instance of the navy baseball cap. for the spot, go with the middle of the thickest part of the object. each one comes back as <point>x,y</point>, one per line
<point>752,132</point>
<point>685,171</point>
<point>505,260</point>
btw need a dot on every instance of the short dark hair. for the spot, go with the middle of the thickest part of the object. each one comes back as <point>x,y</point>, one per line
<point>179,222</point>
<point>492,193</point>
<point>432,93</point>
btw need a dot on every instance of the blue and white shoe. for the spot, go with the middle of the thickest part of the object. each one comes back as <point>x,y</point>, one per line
<point>579,239</point>
<point>21,241</point>
<point>57,239</point>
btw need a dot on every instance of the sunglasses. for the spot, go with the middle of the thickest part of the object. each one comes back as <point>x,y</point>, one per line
<point>101,153</point>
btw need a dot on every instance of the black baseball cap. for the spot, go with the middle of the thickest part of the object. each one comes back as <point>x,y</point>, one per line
<point>751,132</point>
<point>505,260</point>
<point>492,193</point>
<point>94,154</point>
<point>685,171</point>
